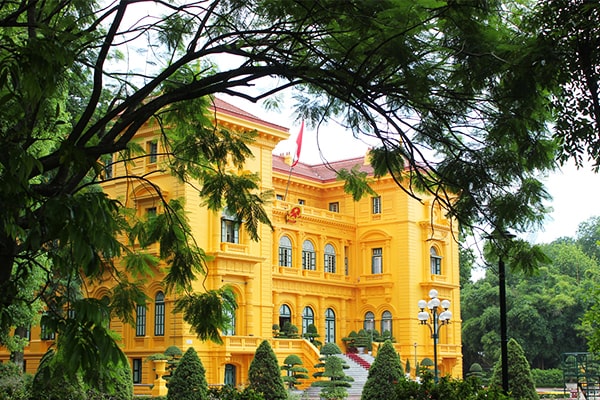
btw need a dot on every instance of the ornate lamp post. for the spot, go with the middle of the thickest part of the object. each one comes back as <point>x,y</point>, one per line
<point>438,319</point>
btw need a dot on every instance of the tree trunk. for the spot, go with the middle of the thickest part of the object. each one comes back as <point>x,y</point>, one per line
<point>17,357</point>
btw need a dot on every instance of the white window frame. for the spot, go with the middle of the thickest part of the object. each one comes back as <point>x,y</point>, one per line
<point>309,257</point>
<point>377,260</point>
<point>285,251</point>
<point>329,257</point>
<point>376,205</point>
<point>435,262</point>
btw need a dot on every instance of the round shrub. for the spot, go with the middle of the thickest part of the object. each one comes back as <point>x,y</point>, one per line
<point>14,384</point>
<point>51,383</point>
<point>330,348</point>
<point>112,382</point>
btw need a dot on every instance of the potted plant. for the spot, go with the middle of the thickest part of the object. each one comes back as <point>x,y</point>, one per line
<point>275,328</point>
<point>350,342</point>
<point>312,335</point>
<point>363,341</point>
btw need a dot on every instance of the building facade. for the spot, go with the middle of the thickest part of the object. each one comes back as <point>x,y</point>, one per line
<point>330,261</point>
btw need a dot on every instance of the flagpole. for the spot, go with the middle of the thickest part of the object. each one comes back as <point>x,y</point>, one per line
<point>297,158</point>
<point>288,183</point>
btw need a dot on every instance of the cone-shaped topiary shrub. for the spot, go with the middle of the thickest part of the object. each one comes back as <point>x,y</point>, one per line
<point>264,374</point>
<point>188,381</point>
<point>384,374</point>
<point>520,381</point>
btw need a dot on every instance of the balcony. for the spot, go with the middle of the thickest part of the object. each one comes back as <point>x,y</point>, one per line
<point>241,344</point>
<point>234,247</point>
<point>313,213</point>
<point>376,279</point>
<point>301,274</point>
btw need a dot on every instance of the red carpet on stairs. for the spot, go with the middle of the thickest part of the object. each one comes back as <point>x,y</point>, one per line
<point>359,360</point>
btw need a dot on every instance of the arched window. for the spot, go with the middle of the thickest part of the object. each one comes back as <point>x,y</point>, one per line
<point>309,259</point>
<point>329,326</point>
<point>329,258</point>
<point>308,318</point>
<point>159,314</point>
<point>285,315</point>
<point>435,262</point>
<point>369,323</point>
<point>386,322</point>
<point>230,372</point>
<point>285,252</point>
<point>230,329</point>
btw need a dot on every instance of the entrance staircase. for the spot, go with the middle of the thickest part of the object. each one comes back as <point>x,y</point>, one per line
<point>359,369</point>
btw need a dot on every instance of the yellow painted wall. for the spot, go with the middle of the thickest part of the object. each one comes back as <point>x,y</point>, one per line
<point>403,230</point>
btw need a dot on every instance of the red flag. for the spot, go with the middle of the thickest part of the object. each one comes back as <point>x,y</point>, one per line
<point>298,144</point>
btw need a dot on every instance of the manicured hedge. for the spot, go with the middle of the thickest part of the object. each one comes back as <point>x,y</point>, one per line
<point>548,378</point>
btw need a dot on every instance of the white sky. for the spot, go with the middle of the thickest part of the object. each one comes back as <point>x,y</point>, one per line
<point>575,199</point>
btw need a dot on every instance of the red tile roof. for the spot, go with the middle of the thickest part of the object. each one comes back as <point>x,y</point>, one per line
<point>228,108</point>
<point>325,172</point>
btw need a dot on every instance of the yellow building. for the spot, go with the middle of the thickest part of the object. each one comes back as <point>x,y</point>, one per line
<point>340,264</point>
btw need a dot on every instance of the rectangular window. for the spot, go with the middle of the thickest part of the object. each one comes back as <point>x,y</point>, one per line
<point>436,265</point>
<point>330,263</point>
<point>230,231</point>
<point>376,203</point>
<point>285,256</point>
<point>346,262</point>
<point>229,330</point>
<point>140,320</point>
<point>346,268</point>
<point>301,202</point>
<point>279,197</point>
<point>150,212</point>
<point>309,260</point>
<point>159,319</point>
<point>377,261</point>
<point>152,151</point>
<point>334,207</point>
<point>108,166</point>
<point>137,370</point>
<point>46,333</point>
